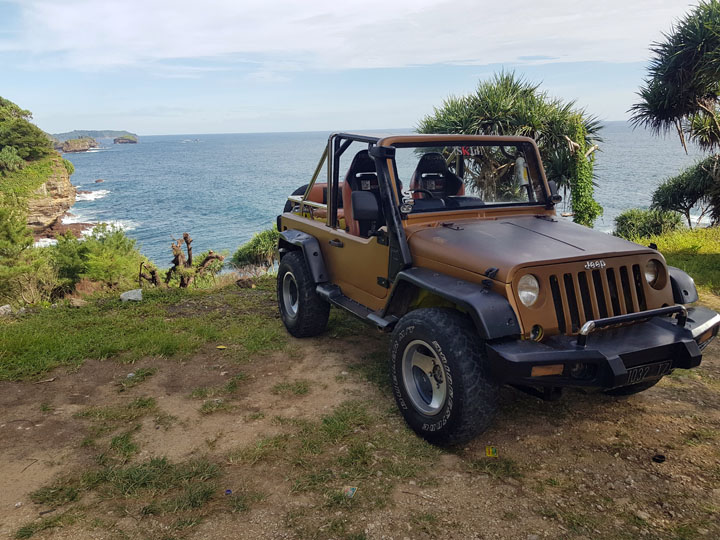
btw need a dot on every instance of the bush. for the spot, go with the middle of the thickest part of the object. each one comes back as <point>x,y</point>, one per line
<point>638,223</point>
<point>10,160</point>
<point>106,256</point>
<point>16,130</point>
<point>261,250</point>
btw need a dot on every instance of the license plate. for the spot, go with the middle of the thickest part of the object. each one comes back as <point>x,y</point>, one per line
<point>640,373</point>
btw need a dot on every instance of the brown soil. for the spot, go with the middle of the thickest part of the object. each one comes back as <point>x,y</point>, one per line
<point>584,464</point>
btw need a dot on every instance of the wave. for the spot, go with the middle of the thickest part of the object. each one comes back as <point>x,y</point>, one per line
<point>92,195</point>
<point>45,242</point>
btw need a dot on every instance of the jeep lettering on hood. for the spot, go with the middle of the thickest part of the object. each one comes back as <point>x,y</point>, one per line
<point>515,242</point>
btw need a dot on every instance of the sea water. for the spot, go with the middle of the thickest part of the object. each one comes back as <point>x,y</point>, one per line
<point>223,188</point>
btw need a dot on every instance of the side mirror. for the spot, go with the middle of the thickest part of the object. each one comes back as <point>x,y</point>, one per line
<point>365,206</point>
<point>554,196</point>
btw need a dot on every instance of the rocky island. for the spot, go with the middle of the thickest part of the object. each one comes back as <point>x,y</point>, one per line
<point>82,144</point>
<point>126,139</point>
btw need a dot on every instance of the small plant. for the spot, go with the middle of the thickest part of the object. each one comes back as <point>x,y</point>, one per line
<point>497,467</point>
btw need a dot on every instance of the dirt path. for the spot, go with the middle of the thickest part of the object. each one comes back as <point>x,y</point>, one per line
<point>288,431</point>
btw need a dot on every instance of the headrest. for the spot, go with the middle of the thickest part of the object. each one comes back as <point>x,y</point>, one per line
<point>362,167</point>
<point>432,162</point>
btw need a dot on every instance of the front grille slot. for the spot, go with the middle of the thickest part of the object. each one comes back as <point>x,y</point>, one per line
<point>586,295</point>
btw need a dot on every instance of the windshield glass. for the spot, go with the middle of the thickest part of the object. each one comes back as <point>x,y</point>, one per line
<point>468,176</point>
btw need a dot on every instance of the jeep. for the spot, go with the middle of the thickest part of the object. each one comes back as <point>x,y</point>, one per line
<point>453,244</point>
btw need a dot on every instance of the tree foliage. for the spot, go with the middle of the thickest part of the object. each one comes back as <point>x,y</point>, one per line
<point>16,130</point>
<point>10,160</point>
<point>682,88</point>
<point>509,105</point>
<point>690,189</point>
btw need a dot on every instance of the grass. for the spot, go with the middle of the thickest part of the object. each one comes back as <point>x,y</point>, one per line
<point>168,322</point>
<point>214,405</point>
<point>29,530</point>
<point>297,388</point>
<point>343,448</point>
<point>695,251</point>
<point>230,387</point>
<point>139,375</point>
<point>120,413</point>
<point>500,467</point>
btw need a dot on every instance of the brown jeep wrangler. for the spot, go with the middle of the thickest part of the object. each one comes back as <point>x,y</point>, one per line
<point>452,243</point>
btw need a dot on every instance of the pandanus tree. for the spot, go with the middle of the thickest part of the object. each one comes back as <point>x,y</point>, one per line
<point>682,94</point>
<point>509,105</point>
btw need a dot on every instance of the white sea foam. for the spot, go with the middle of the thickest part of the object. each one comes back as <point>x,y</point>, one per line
<point>45,242</point>
<point>92,196</point>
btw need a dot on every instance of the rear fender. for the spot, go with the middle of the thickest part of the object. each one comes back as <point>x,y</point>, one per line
<point>491,312</point>
<point>294,240</point>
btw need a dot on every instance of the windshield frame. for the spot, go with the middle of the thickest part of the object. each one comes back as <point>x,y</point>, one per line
<point>428,141</point>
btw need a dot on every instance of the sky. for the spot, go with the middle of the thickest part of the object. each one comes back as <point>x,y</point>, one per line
<point>232,66</point>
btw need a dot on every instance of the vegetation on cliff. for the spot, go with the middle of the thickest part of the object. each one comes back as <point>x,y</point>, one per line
<point>81,144</point>
<point>93,133</point>
<point>16,131</point>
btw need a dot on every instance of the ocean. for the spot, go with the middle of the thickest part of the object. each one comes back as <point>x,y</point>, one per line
<point>223,188</point>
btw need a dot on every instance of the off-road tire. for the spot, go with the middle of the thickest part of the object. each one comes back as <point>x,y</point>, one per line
<point>471,398</point>
<point>631,389</point>
<point>310,313</point>
<point>299,191</point>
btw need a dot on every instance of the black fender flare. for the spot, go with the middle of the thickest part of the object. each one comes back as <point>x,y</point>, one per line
<point>683,286</point>
<point>293,240</point>
<point>491,312</point>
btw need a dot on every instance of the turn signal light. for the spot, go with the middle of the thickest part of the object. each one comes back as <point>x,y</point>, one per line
<point>544,371</point>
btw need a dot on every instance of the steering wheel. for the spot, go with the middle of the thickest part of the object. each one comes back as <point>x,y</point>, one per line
<point>425,191</point>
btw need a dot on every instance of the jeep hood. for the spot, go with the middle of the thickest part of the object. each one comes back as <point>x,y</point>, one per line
<point>512,243</point>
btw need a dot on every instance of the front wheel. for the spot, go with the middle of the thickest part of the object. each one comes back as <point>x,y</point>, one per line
<point>302,311</point>
<point>439,376</point>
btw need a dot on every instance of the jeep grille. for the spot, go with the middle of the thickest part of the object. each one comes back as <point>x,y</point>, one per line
<point>595,294</point>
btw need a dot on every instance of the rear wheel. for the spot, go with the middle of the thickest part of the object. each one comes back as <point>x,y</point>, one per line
<point>302,311</point>
<point>439,376</point>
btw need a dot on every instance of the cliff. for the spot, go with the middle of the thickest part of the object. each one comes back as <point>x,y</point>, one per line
<point>83,144</point>
<point>53,198</point>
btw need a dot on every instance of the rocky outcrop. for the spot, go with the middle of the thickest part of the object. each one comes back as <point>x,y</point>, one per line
<point>125,139</point>
<point>82,144</point>
<point>52,199</point>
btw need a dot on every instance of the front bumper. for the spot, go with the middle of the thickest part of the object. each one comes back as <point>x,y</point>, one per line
<point>610,358</point>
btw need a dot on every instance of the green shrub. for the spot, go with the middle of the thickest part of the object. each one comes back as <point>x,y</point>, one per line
<point>16,130</point>
<point>261,250</point>
<point>106,256</point>
<point>10,160</point>
<point>639,223</point>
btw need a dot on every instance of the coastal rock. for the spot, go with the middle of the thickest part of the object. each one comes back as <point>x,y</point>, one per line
<point>82,144</point>
<point>52,199</point>
<point>99,181</point>
<point>5,310</point>
<point>134,296</point>
<point>125,139</point>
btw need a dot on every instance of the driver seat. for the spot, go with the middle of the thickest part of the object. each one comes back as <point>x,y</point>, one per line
<point>432,174</point>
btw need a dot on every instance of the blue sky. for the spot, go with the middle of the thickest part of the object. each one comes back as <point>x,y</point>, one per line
<point>221,66</point>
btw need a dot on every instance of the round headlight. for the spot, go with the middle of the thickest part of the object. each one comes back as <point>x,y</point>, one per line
<point>528,290</point>
<point>652,270</point>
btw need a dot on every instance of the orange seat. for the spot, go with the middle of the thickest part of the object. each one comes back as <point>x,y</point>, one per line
<point>361,175</point>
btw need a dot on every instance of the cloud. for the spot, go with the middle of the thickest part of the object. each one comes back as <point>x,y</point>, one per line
<point>331,35</point>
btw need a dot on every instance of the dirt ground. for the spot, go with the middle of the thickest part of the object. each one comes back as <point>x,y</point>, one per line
<point>581,467</point>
